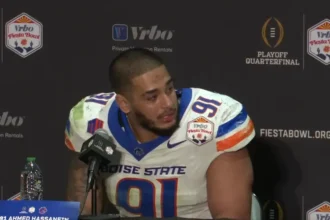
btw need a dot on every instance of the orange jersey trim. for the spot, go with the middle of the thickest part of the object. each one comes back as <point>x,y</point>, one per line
<point>236,138</point>
<point>68,142</point>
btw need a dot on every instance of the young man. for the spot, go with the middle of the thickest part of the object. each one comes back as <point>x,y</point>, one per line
<point>183,151</point>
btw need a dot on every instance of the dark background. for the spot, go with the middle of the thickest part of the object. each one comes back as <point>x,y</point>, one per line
<point>210,43</point>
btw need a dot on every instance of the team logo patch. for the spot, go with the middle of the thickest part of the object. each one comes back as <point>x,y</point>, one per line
<point>138,151</point>
<point>322,211</point>
<point>24,35</point>
<point>200,131</point>
<point>318,38</point>
<point>43,210</point>
<point>94,124</point>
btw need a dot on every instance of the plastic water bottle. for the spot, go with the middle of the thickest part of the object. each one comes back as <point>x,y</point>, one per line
<point>31,181</point>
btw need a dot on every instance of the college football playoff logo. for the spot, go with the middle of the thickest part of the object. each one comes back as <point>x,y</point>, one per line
<point>272,32</point>
<point>272,210</point>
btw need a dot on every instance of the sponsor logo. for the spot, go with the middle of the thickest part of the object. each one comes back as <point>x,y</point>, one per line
<point>319,212</point>
<point>120,32</point>
<point>318,40</point>
<point>293,133</point>
<point>32,210</point>
<point>273,210</point>
<point>200,131</point>
<point>272,34</point>
<point>7,120</point>
<point>24,35</point>
<point>154,33</point>
<point>24,208</point>
<point>169,145</point>
<point>134,34</point>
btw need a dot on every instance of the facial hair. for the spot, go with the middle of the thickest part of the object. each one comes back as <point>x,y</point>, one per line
<point>150,125</point>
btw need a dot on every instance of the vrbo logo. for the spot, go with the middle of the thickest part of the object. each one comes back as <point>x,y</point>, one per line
<point>24,28</point>
<point>141,33</point>
<point>323,34</point>
<point>7,120</point>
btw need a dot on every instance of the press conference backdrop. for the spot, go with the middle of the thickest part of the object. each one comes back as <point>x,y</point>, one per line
<point>273,56</point>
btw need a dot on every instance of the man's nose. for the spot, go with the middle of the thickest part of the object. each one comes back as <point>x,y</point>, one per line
<point>166,101</point>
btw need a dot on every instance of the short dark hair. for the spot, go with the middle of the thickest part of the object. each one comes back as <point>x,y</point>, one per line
<point>131,63</point>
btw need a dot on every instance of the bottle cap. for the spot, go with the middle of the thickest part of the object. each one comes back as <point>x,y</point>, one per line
<point>31,159</point>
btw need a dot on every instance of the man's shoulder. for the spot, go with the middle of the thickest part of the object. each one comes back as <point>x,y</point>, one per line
<point>199,94</point>
<point>219,117</point>
<point>90,107</point>
<point>211,105</point>
<point>86,116</point>
<point>93,103</point>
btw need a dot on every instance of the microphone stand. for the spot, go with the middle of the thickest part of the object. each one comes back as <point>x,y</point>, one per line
<point>94,198</point>
<point>94,215</point>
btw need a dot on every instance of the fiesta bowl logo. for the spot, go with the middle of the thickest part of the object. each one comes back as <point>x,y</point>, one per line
<point>319,212</point>
<point>24,35</point>
<point>200,131</point>
<point>272,32</point>
<point>318,39</point>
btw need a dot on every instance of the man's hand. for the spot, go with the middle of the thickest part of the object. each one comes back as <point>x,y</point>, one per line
<point>229,186</point>
<point>76,188</point>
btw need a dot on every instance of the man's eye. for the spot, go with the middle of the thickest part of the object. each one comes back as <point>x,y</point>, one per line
<point>152,98</point>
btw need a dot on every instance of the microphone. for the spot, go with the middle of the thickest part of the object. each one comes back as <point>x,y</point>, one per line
<point>97,151</point>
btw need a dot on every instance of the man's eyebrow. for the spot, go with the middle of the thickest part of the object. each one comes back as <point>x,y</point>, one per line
<point>152,91</point>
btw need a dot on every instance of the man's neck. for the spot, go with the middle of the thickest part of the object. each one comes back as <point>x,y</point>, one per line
<point>141,134</point>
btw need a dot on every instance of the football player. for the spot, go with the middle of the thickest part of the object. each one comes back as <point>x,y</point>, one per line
<point>183,152</point>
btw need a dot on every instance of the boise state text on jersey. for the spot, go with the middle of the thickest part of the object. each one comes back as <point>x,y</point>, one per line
<point>164,177</point>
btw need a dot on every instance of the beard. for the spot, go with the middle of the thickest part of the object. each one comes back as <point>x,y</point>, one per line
<point>150,125</point>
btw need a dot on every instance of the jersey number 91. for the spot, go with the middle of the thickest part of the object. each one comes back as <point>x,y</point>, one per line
<point>157,199</point>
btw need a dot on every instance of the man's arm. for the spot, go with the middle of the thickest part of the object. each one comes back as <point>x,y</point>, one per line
<point>76,188</point>
<point>229,186</point>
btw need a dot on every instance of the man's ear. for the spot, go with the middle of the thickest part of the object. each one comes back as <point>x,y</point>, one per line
<point>123,103</point>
